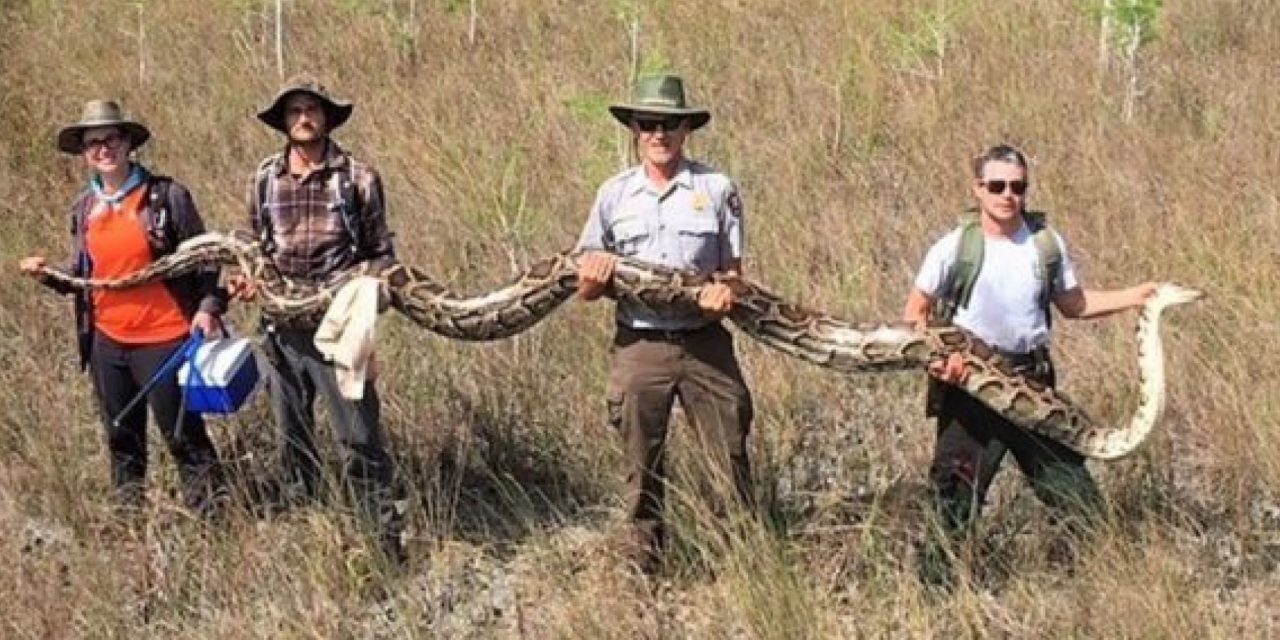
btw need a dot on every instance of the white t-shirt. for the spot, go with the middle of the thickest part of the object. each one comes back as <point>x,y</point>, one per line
<point>1004,309</point>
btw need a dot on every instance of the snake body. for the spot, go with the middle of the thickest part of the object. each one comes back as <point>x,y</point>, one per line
<point>814,336</point>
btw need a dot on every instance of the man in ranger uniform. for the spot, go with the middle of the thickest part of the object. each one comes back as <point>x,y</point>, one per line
<point>680,213</point>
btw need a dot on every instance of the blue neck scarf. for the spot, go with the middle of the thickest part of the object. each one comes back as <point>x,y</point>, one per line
<point>137,175</point>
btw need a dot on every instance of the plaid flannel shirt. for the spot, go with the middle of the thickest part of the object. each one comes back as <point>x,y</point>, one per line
<point>307,230</point>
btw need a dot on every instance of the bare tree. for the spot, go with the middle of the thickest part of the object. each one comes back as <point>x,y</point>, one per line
<point>1126,27</point>
<point>471,24</point>
<point>1104,33</point>
<point>280,39</point>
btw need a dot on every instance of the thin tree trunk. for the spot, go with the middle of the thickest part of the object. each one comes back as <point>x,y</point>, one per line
<point>1131,67</point>
<point>280,39</point>
<point>142,46</point>
<point>471,24</point>
<point>626,148</point>
<point>1104,35</point>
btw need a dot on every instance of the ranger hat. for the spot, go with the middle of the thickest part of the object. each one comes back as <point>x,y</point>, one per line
<point>659,95</point>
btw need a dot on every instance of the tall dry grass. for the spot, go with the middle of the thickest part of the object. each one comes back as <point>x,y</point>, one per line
<point>849,143</point>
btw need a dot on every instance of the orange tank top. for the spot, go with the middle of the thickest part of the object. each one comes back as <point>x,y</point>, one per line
<point>117,245</point>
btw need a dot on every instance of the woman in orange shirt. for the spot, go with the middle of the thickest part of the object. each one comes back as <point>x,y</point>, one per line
<point>125,219</point>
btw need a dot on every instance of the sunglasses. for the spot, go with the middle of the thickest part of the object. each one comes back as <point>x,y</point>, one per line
<point>649,125</point>
<point>111,142</point>
<point>996,187</point>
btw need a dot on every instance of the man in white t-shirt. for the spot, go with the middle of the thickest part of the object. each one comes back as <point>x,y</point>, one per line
<point>1007,306</point>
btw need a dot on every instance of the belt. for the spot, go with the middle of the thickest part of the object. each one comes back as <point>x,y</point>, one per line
<point>665,335</point>
<point>1035,362</point>
<point>307,322</point>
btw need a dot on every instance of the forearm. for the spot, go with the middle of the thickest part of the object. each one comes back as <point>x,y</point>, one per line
<point>213,298</point>
<point>1099,303</point>
<point>378,246</point>
<point>58,286</point>
<point>381,252</point>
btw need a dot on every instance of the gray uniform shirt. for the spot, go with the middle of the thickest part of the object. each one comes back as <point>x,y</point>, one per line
<point>694,223</point>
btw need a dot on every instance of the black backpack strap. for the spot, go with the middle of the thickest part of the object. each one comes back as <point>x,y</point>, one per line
<point>80,210</point>
<point>79,214</point>
<point>345,199</point>
<point>158,220</point>
<point>264,188</point>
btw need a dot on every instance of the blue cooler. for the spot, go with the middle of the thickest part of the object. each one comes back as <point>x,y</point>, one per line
<point>219,375</point>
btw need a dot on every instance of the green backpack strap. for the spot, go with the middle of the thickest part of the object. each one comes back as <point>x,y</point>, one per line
<point>1050,254</point>
<point>957,288</point>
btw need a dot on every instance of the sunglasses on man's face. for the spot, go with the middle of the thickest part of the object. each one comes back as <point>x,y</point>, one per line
<point>110,141</point>
<point>649,125</point>
<point>996,187</point>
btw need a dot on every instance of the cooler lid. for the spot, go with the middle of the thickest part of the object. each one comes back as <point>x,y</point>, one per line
<point>218,361</point>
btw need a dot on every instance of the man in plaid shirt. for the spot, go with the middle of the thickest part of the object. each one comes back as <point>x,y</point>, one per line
<point>320,212</point>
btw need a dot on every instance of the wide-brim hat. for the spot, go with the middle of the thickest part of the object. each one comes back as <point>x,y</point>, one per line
<point>101,113</point>
<point>336,111</point>
<point>660,95</point>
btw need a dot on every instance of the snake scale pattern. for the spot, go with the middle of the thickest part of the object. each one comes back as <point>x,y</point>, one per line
<point>814,336</point>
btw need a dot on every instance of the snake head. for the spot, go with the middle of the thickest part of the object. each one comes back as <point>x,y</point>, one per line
<point>1169,294</point>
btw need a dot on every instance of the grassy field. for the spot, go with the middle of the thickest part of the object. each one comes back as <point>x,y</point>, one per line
<point>847,126</point>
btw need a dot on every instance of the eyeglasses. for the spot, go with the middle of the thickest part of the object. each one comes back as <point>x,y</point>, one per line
<point>111,141</point>
<point>649,125</point>
<point>996,187</point>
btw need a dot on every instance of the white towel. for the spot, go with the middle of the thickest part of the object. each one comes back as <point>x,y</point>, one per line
<point>346,334</point>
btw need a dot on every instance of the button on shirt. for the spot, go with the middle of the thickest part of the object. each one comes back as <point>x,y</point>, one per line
<point>1005,309</point>
<point>694,222</point>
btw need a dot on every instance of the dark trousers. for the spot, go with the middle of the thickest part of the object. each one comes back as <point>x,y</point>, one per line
<point>297,372</point>
<point>119,372</point>
<point>972,443</point>
<point>649,371</point>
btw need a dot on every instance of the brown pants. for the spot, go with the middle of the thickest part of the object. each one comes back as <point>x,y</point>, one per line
<point>650,370</point>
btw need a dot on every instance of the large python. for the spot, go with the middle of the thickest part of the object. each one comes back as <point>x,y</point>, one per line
<point>814,336</point>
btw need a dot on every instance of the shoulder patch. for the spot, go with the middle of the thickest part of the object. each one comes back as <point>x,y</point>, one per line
<point>735,203</point>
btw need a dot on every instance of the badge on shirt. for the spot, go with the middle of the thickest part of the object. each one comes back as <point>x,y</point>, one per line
<point>701,201</point>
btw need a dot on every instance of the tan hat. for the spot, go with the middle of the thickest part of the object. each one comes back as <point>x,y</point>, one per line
<point>100,113</point>
<point>336,111</point>
<point>660,95</point>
